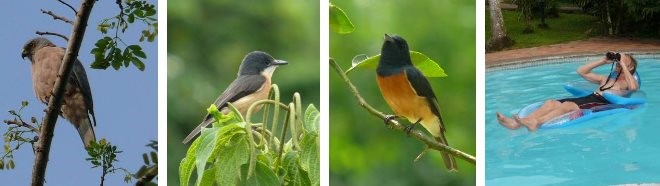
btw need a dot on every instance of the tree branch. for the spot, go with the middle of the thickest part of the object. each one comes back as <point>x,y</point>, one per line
<point>67,4</point>
<point>56,17</point>
<point>430,142</point>
<point>55,102</point>
<point>22,124</point>
<point>53,33</point>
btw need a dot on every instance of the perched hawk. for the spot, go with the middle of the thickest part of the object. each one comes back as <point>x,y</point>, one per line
<point>77,106</point>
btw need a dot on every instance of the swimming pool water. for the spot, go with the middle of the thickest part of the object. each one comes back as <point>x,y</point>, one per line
<point>617,149</point>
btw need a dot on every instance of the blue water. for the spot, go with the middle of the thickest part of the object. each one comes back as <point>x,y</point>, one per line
<point>617,149</point>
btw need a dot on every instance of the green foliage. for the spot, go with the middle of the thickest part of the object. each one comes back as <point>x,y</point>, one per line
<point>103,154</point>
<point>207,40</point>
<point>108,52</point>
<point>150,167</point>
<point>567,27</point>
<point>236,151</point>
<point>18,134</point>
<point>362,150</point>
<point>425,64</point>
<point>339,22</point>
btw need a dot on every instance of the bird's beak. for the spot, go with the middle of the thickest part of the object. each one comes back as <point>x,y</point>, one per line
<point>278,62</point>
<point>24,54</point>
<point>388,38</point>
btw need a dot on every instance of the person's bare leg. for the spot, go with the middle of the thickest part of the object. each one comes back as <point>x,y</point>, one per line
<point>547,106</point>
<point>531,120</point>
<point>533,124</point>
<point>507,122</point>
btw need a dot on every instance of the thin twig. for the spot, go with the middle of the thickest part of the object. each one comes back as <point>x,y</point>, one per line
<point>67,4</point>
<point>56,17</point>
<point>430,142</point>
<point>55,102</point>
<point>22,124</point>
<point>54,34</point>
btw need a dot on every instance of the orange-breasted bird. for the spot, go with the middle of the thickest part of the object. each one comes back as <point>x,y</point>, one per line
<point>408,92</point>
<point>251,85</point>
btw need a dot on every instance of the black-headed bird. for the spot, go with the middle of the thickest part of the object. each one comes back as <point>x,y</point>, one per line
<point>409,93</point>
<point>252,84</point>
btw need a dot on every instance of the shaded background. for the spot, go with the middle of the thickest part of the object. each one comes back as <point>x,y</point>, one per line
<point>365,152</point>
<point>209,38</point>
<point>125,101</point>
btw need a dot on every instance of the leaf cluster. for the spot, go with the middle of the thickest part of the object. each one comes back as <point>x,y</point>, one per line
<point>235,151</point>
<point>107,51</point>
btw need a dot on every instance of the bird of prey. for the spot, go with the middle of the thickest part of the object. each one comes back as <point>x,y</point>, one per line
<point>251,85</point>
<point>77,105</point>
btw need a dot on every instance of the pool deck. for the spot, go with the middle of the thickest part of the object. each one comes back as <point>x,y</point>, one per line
<point>590,46</point>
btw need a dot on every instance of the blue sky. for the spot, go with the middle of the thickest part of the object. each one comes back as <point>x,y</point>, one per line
<point>125,101</point>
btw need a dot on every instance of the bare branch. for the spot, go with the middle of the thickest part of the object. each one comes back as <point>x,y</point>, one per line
<point>53,33</point>
<point>56,17</point>
<point>22,124</point>
<point>430,142</point>
<point>67,4</point>
<point>55,102</point>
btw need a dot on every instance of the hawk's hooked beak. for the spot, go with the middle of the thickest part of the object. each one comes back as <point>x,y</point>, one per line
<point>24,53</point>
<point>388,38</point>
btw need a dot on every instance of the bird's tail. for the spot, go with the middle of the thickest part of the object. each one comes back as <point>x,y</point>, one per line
<point>450,161</point>
<point>86,132</point>
<point>197,130</point>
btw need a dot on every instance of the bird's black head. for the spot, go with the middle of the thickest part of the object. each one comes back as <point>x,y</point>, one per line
<point>394,54</point>
<point>258,62</point>
<point>33,45</point>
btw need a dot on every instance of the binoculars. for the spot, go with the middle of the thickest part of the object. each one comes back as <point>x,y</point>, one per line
<point>613,56</point>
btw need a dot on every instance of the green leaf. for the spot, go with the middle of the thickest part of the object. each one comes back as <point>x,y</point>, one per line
<point>425,64</point>
<point>131,18</point>
<point>339,22</point>
<point>139,64</point>
<point>310,156</point>
<point>312,119</point>
<point>204,150</point>
<point>209,174</point>
<point>263,175</point>
<point>140,53</point>
<point>188,164</point>
<point>229,161</point>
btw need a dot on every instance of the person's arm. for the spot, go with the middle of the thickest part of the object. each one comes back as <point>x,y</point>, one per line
<point>585,71</point>
<point>630,80</point>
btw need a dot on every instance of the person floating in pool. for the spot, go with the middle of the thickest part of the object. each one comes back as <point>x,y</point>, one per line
<point>623,83</point>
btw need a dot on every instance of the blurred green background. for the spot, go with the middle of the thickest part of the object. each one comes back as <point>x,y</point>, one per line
<point>365,152</point>
<point>207,39</point>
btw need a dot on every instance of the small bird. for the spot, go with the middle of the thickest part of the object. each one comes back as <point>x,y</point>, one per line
<point>251,85</point>
<point>77,104</point>
<point>408,92</point>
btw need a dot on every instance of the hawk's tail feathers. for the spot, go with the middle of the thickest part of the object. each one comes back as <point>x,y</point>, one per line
<point>86,132</point>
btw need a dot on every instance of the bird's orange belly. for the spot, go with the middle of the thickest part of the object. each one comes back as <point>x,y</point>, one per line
<point>402,98</point>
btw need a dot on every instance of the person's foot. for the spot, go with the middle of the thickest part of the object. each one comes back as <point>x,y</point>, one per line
<point>530,123</point>
<point>507,122</point>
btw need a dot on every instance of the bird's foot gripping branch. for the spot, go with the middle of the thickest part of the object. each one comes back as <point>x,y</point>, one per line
<point>394,124</point>
<point>236,150</point>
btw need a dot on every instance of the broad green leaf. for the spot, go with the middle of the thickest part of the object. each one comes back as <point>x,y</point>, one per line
<point>310,157</point>
<point>229,160</point>
<point>425,64</point>
<point>207,178</point>
<point>295,175</point>
<point>262,175</point>
<point>188,163</point>
<point>204,150</point>
<point>138,63</point>
<point>312,119</point>
<point>339,22</point>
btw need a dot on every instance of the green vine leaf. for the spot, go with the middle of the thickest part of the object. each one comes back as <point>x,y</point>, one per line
<point>339,22</point>
<point>425,64</point>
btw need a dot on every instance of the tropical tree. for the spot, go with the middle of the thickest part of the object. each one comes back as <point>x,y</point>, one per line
<point>499,38</point>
